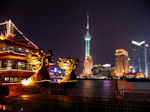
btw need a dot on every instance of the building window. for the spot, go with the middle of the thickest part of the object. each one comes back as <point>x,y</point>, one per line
<point>21,65</point>
<point>14,64</point>
<point>4,64</point>
<point>6,78</point>
<point>21,50</point>
<point>9,64</point>
<point>11,79</point>
<point>3,48</point>
<point>28,66</point>
<point>0,64</point>
<point>16,79</point>
<point>10,48</point>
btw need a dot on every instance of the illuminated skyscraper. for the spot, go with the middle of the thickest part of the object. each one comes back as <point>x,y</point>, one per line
<point>88,63</point>
<point>87,39</point>
<point>121,62</point>
<point>139,57</point>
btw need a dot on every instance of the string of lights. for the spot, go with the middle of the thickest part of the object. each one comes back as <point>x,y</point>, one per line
<point>24,35</point>
<point>6,22</point>
<point>3,23</point>
<point>21,83</point>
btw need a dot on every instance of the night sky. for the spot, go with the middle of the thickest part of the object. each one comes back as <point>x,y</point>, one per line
<point>59,25</point>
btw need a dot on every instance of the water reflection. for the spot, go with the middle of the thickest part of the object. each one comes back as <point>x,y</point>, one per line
<point>87,88</point>
<point>5,108</point>
<point>107,89</point>
<point>73,99</point>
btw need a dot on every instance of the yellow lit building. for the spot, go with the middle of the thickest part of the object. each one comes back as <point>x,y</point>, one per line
<point>88,65</point>
<point>121,62</point>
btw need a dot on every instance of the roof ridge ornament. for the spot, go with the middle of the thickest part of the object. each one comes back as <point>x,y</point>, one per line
<point>2,36</point>
<point>9,28</point>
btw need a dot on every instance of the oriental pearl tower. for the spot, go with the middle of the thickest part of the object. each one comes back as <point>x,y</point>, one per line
<point>88,62</point>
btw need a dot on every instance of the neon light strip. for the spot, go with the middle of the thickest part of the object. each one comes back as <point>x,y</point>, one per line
<point>3,23</point>
<point>21,83</point>
<point>18,53</point>
<point>19,32</point>
<point>35,82</point>
<point>121,54</point>
<point>13,52</point>
<point>24,35</point>
<point>18,70</point>
<point>11,83</point>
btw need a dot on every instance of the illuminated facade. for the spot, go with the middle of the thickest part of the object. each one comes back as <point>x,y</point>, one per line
<point>13,62</point>
<point>121,62</point>
<point>87,39</point>
<point>102,70</point>
<point>40,60</point>
<point>88,63</point>
<point>69,65</point>
<point>140,57</point>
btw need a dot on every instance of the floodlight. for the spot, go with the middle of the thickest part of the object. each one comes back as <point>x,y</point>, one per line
<point>138,43</point>
<point>135,43</point>
<point>143,42</point>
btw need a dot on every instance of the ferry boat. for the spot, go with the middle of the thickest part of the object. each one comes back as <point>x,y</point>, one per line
<point>13,62</point>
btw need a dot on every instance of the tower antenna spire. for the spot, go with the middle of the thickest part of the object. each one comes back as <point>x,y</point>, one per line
<point>87,25</point>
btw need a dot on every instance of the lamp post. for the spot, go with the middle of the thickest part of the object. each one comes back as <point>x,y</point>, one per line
<point>138,44</point>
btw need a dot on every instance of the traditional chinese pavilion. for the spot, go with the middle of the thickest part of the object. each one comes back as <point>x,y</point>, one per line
<point>13,62</point>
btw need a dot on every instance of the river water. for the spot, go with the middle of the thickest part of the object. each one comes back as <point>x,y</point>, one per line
<point>90,88</point>
<point>85,96</point>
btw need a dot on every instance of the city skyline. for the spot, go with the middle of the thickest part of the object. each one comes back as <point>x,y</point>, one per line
<point>52,24</point>
<point>75,55</point>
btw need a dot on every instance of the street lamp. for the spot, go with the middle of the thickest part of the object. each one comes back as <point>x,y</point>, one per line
<point>138,44</point>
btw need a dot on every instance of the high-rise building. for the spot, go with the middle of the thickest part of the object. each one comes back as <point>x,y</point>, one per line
<point>139,57</point>
<point>87,39</point>
<point>121,62</point>
<point>88,63</point>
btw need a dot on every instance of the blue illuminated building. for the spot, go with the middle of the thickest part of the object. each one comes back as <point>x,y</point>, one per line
<point>139,57</point>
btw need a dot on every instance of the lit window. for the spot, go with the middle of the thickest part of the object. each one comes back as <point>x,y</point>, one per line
<point>3,48</point>
<point>11,79</point>
<point>21,50</point>
<point>29,67</point>
<point>21,65</point>
<point>9,64</point>
<point>6,78</point>
<point>10,48</point>
<point>16,79</point>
